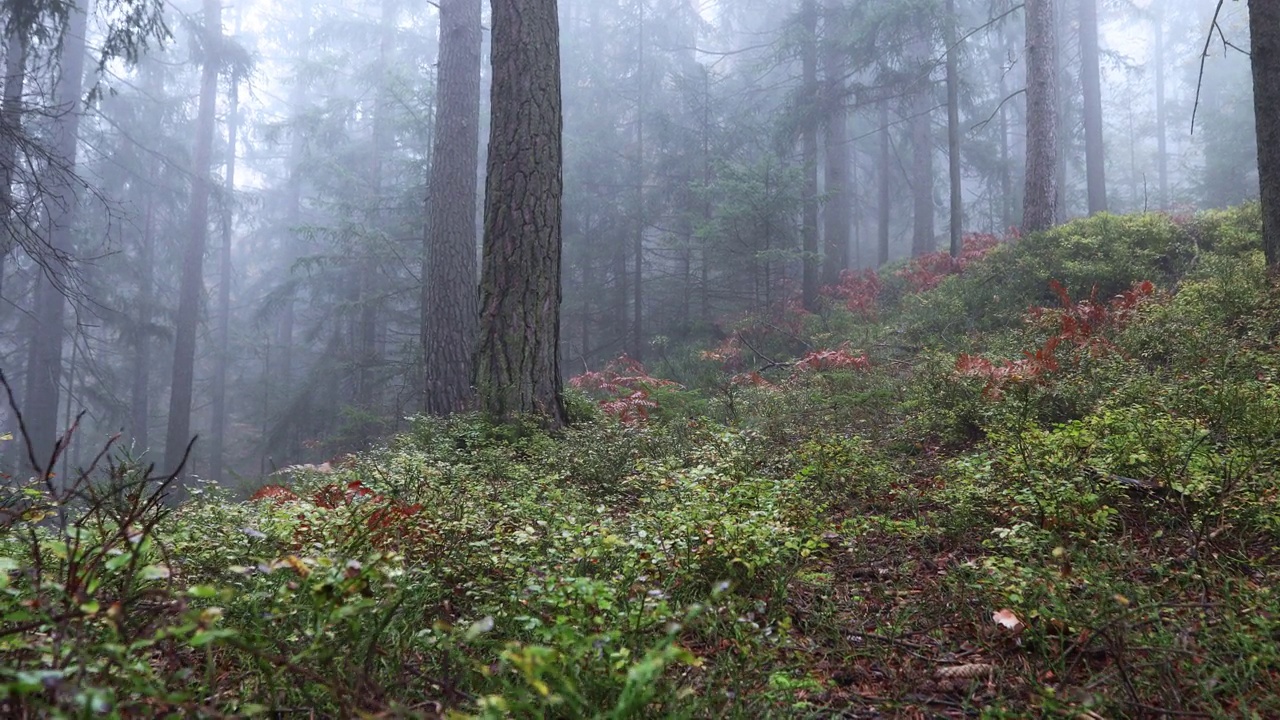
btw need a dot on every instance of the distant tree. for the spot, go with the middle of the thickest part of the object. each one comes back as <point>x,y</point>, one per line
<point>809,152</point>
<point>191,289</point>
<point>837,178</point>
<point>1040,199</point>
<point>1091,81</point>
<point>1264,34</point>
<point>449,313</point>
<point>44,359</point>
<point>517,361</point>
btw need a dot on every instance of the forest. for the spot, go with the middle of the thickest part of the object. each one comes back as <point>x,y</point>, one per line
<point>640,358</point>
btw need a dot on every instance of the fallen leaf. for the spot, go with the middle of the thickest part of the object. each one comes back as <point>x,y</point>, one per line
<point>1007,619</point>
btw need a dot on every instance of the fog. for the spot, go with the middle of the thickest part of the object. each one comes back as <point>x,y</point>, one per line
<point>254,275</point>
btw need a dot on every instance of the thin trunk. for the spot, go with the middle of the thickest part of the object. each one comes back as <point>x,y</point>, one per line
<point>1064,119</point>
<point>835,211</point>
<point>1264,34</point>
<point>140,393</point>
<point>1094,153</point>
<point>449,309</point>
<point>882,177</point>
<point>1006,171</point>
<point>15,65</point>
<point>1162,150</point>
<point>44,361</point>
<point>809,151</point>
<point>953,130</point>
<point>1040,200</point>
<point>297,149</point>
<point>218,444</point>
<point>517,362</point>
<point>637,240</point>
<point>191,290</point>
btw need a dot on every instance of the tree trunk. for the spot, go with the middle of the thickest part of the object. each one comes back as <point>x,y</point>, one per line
<point>835,211</point>
<point>1162,150</point>
<point>953,130</point>
<point>809,143</point>
<point>517,362</point>
<point>191,291</point>
<point>637,239</point>
<point>449,310</point>
<point>1039,205</point>
<point>44,360</point>
<point>1264,35</point>
<point>297,149</point>
<point>883,179</point>
<point>15,67</point>
<point>218,444</point>
<point>1090,76</point>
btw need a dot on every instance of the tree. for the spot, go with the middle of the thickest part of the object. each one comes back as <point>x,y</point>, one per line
<point>953,129</point>
<point>222,359</point>
<point>1264,35</point>
<point>1039,205</point>
<point>517,360</point>
<point>191,289</point>
<point>837,176</point>
<point>449,312</point>
<point>1090,79</point>
<point>809,143</point>
<point>44,359</point>
<point>923,239</point>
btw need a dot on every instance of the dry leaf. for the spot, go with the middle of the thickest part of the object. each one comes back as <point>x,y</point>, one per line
<point>1007,619</point>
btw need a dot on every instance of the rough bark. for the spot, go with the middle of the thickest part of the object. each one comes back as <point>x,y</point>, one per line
<point>449,310</point>
<point>809,152</point>
<point>44,360</point>
<point>835,211</point>
<point>1091,81</point>
<point>222,360</point>
<point>191,290</point>
<point>1264,34</point>
<point>953,131</point>
<point>1040,199</point>
<point>517,361</point>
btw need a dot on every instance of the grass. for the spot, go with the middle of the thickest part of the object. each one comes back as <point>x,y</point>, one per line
<point>1066,512</point>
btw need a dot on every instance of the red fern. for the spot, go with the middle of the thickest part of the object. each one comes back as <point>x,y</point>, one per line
<point>623,389</point>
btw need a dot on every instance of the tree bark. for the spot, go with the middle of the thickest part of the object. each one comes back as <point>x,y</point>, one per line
<point>835,210</point>
<point>219,430</point>
<point>953,130</point>
<point>1039,205</point>
<point>44,360</point>
<point>191,290</point>
<point>517,362</point>
<point>449,310</point>
<point>1090,76</point>
<point>1264,35</point>
<point>809,161</point>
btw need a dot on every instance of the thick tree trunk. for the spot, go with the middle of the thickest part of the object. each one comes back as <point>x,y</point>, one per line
<point>809,152</point>
<point>219,431</point>
<point>882,177</point>
<point>953,131</point>
<point>1039,205</point>
<point>835,211</point>
<point>449,309</point>
<point>44,361</point>
<point>1090,76</point>
<point>191,290</point>
<point>15,67</point>
<point>1264,34</point>
<point>517,363</point>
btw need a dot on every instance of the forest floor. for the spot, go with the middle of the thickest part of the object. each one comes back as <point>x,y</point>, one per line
<point>1036,480</point>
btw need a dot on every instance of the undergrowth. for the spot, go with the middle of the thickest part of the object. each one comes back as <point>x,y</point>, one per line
<point>1039,480</point>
